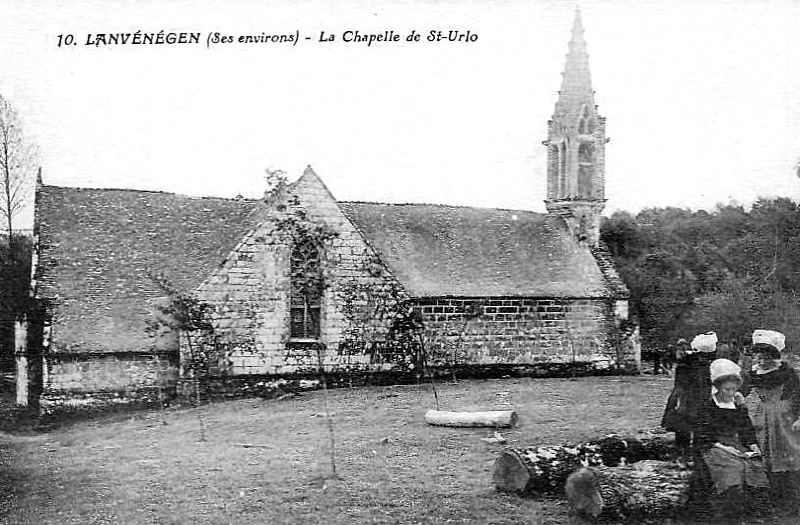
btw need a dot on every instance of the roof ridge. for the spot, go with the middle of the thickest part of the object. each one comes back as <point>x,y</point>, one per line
<point>153,192</point>
<point>442,205</point>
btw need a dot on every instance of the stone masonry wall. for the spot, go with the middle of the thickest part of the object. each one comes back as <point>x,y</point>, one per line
<point>520,330</point>
<point>250,295</point>
<point>120,373</point>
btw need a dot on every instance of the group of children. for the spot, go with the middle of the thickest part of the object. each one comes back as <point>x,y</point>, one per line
<point>739,429</point>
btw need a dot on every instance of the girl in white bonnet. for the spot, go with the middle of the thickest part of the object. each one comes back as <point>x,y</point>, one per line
<point>774,405</point>
<point>691,387</point>
<point>725,440</point>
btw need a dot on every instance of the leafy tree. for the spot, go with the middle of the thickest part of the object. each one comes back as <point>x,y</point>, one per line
<point>729,269</point>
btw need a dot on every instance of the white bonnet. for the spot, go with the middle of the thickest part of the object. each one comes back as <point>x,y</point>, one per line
<point>705,342</point>
<point>770,337</point>
<point>724,367</point>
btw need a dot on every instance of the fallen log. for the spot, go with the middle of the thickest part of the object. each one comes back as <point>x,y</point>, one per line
<point>544,469</point>
<point>647,488</point>
<point>496,418</point>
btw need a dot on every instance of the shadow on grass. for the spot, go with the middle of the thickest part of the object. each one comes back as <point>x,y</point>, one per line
<point>9,483</point>
<point>19,420</point>
<point>13,482</point>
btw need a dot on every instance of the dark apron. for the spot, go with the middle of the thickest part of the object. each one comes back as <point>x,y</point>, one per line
<point>730,470</point>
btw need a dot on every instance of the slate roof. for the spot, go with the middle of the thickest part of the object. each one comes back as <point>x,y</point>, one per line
<point>436,250</point>
<point>99,245</point>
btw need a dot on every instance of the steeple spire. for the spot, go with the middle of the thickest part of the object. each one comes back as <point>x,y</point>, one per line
<point>577,26</point>
<point>576,146</point>
<point>576,84</point>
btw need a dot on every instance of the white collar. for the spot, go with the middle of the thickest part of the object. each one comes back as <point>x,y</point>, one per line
<point>729,404</point>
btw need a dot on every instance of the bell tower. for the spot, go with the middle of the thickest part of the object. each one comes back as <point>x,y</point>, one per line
<point>576,139</point>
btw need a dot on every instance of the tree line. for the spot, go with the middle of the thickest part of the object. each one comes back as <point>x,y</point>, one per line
<point>730,270</point>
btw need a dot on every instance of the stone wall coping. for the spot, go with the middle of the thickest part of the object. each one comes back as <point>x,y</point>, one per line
<point>73,356</point>
<point>514,297</point>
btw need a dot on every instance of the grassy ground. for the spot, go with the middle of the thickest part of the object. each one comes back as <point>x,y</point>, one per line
<point>394,468</point>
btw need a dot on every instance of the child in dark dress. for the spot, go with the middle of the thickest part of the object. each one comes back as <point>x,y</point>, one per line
<point>692,384</point>
<point>725,443</point>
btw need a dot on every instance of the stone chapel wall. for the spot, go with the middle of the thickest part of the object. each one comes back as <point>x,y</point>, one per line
<point>251,292</point>
<point>521,331</point>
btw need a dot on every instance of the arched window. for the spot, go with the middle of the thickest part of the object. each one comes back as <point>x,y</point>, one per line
<point>553,178</point>
<point>306,290</point>
<point>562,171</point>
<point>586,170</point>
<point>586,124</point>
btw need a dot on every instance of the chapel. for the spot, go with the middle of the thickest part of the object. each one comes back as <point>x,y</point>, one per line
<point>299,279</point>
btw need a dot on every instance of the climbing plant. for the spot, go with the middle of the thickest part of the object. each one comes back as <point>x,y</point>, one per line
<point>310,261</point>
<point>383,323</point>
<point>375,308</point>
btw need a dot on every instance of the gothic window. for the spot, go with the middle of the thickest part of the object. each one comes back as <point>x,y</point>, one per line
<point>585,169</point>
<point>562,170</point>
<point>586,124</point>
<point>553,178</point>
<point>306,290</point>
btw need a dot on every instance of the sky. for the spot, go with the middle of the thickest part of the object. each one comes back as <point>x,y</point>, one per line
<point>701,97</point>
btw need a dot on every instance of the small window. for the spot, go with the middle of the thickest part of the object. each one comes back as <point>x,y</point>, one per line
<point>553,174</point>
<point>562,172</point>
<point>586,162</point>
<point>586,124</point>
<point>306,291</point>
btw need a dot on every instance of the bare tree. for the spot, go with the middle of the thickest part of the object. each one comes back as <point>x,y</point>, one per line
<point>17,165</point>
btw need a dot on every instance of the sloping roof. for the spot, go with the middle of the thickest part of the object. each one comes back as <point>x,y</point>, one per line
<point>606,263</point>
<point>437,250</point>
<point>99,246</point>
